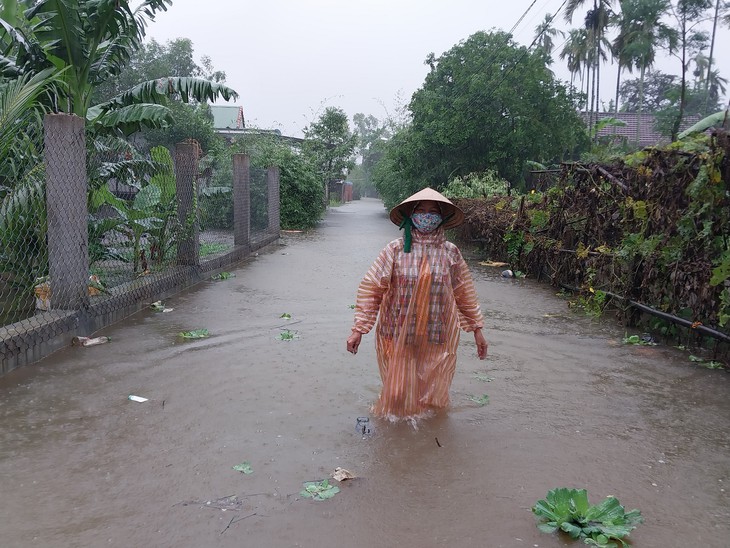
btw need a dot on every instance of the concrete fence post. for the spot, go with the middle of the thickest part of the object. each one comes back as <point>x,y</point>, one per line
<point>186,171</point>
<point>242,201</point>
<point>66,187</point>
<point>272,184</point>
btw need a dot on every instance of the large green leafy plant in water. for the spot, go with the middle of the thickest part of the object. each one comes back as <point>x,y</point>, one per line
<point>605,524</point>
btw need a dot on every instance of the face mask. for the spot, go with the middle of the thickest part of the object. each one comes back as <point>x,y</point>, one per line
<point>426,222</point>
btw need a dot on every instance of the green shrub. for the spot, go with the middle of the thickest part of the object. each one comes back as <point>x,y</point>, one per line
<point>477,185</point>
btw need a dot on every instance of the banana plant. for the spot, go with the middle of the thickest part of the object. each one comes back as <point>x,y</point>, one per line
<point>152,213</point>
<point>88,42</point>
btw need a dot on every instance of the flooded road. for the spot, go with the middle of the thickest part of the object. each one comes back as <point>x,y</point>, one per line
<point>569,405</point>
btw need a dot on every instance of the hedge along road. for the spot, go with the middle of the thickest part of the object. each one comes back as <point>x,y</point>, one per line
<point>569,405</point>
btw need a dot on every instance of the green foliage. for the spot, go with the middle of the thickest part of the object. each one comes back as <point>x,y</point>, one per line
<point>188,122</point>
<point>331,145</point>
<point>153,60</point>
<point>287,335</point>
<point>515,241</point>
<point>319,490</point>
<point>637,340</point>
<point>194,334</point>
<point>467,117</point>
<point>87,42</point>
<point>244,468</point>
<point>223,276</point>
<point>568,510</point>
<point>593,303</point>
<point>216,208</point>
<point>300,187</point>
<point>476,185</point>
<point>481,401</point>
<point>397,174</point>
<point>371,134</point>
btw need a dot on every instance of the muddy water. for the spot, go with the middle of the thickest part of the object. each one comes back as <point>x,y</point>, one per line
<point>81,465</point>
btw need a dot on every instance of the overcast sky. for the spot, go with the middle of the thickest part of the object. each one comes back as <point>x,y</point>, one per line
<point>289,59</point>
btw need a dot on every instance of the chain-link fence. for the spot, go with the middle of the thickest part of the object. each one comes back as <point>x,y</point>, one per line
<point>23,246</point>
<point>92,230</point>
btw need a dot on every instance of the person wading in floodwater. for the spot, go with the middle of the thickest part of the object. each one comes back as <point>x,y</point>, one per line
<point>423,290</point>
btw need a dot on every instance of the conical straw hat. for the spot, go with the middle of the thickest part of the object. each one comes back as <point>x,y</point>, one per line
<point>453,215</point>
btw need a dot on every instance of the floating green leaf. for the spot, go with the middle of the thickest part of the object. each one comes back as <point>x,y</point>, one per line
<point>352,306</point>
<point>194,334</point>
<point>287,335</point>
<point>223,276</point>
<point>568,510</point>
<point>286,316</point>
<point>708,364</point>
<point>639,340</point>
<point>319,490</point>
<point>244,468</point>
<point>481,400</point>
<point>482,377</point>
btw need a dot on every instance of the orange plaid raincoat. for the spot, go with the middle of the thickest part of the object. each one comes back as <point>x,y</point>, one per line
<point>423,298</point>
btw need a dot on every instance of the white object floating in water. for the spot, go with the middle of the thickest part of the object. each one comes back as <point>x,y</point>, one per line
<point>89,341</point>
<point>340,474</point>
<point>139,399</point>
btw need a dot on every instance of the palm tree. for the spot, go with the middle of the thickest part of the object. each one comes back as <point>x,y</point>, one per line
<point>92,41</point>
<point>596,22</point>
<point>545,32</point>
<point>712,48</point>
<point>641,33</point>
<point>576,51</point>
<point>688,14</point>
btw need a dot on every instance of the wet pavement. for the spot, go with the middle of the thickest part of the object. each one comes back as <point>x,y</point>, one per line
<point>569,405</point>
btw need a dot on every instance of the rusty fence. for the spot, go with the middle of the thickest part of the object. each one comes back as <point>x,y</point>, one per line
<point>94,231</point>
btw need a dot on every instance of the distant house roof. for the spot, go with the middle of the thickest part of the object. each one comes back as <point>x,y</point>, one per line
<point>228,117</point>
<point>648,136</point>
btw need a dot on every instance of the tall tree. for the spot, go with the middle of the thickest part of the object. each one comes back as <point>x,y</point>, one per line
<point>688,15</point>
<point>576,50</point>
<point>655,94</point>
<point>87,42</point>
<point>721,10</point>
<point>371,134</point>
<point>641,34</point>
<point>545,34</point>
<point>596,22</point>
<point>332,146</point>
<point>154,60</point>
<point>487,104</point>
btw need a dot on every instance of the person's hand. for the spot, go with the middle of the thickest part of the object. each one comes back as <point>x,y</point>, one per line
<point>481,343</point>
<point>353,342</point>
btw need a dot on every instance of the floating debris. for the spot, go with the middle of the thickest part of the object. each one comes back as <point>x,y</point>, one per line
<point>340,474</point>
<point>194,334</point>
<point>319,490</point>
<point>481,400</point>
<point>89,341</point>
<point>244,468</point>
<point>223,276</point>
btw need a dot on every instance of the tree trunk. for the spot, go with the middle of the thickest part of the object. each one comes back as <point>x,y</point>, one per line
<point>682,95</point>
<point>641,103</point>
<point>618,85</point>
<point>712,50</point>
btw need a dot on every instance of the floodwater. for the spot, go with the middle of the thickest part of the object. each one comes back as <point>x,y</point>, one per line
<point>569,405</point>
